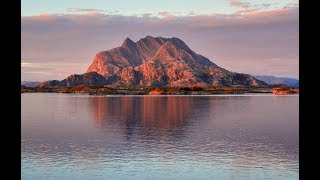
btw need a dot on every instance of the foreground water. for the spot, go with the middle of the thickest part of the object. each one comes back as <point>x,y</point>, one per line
<point>66,136</point>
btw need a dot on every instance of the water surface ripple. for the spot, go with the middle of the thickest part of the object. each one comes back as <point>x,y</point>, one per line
<point>69,136</point>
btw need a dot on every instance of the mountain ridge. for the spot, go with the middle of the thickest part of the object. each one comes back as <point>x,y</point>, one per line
<point>273,80</point>
<point>91,78</point>
<point>157,62</point>
<point>30,83</point>
<point>163,62</point>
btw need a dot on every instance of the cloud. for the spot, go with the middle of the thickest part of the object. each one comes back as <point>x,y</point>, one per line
<point>246,11</point>
<point>293,4</point>
<point>85,10</point>
<point>164,13</point>
<point>266,5</point>
<point>230,40</point>
<point>239,3</point>
<point>246,7</point>
<point>34,71</point>
<point>99,20</point>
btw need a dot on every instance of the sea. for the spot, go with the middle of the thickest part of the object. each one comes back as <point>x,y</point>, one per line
<point>79,136</point>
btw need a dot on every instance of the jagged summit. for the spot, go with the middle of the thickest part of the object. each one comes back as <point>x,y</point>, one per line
<point>128,42</point>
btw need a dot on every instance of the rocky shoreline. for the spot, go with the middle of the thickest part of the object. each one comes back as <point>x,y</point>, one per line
<point>96,90</point>
<point>284,90</point>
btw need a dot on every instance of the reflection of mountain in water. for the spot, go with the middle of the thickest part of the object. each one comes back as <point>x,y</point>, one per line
<point>237,131</point>
<point>145,111</point>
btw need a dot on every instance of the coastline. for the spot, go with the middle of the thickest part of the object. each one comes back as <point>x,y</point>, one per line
<point>150,91</point>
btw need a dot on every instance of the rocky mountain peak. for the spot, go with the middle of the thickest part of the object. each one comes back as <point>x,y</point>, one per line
<point>128,43</point>
<point>158,61</point>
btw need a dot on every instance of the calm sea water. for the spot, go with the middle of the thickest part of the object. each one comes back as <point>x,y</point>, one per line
<point>69,136</point>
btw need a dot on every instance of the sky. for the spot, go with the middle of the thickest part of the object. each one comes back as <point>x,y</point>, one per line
<point>61,37</point>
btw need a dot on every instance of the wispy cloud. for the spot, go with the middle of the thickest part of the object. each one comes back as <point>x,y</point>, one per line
<point>239,3</point>
<point>266,5</point>
<point>293,4</point>
<point>50,70</point>
<point>246,7</point>
<point>85,10</point>
<point>105,20</point>
<point>165,13</point>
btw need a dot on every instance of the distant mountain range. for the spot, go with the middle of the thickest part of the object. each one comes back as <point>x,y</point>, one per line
<point>272,80</point>
<point>30,83</point>
<point>156,62</point>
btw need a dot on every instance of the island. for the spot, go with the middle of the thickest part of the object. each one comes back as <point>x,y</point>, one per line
<point>156,66</point>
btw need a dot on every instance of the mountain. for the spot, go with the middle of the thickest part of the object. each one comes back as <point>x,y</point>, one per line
<point>30,83</point>
<point>91,78</point>
<point>163,62</point>
<point>279,80</point>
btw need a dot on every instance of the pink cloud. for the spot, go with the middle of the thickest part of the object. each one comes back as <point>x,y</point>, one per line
<point>45,17</point>
<point>246,11</point>
<point>238,3</point>
<point>84,10</point>
<point>164,13</point>
<point>241,17</point>
<point>274,13</point>
<point>235,3</point>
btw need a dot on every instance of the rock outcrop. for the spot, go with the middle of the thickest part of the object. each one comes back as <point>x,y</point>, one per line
<point>284,91</point>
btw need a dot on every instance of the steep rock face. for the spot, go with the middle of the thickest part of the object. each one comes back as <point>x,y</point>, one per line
<point>91,78</point>
<point>163,62</point>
